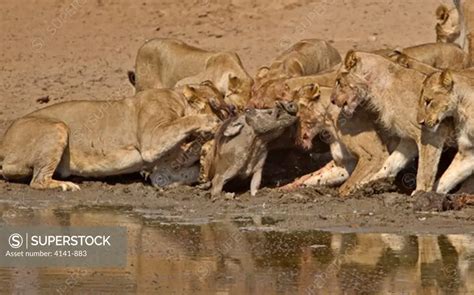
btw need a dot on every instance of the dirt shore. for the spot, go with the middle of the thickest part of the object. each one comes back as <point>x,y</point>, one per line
<point>305,209</point>
<point>61,50</point>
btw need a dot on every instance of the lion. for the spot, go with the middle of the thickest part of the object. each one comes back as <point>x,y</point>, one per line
<point>411,63</point>
<point>448,24</point>
<point>425,58</point>
<point>166,63</point>
<point>352,161</point>
<point>286,88</point>
<point>436,55</point>
<point>306,57</point>
<point>456,25</point>
<point>107,138</point>
<point>450,94</point>
<point>467,27</point>
<point>392,91</point>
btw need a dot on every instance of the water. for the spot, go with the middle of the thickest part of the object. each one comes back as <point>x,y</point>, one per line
<point>247,255</point>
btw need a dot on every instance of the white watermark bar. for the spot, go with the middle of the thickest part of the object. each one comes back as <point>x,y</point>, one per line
<point>42,246</point>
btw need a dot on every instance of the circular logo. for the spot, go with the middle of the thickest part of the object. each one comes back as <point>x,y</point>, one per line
<point>159,180</point>
<point>15,241</point>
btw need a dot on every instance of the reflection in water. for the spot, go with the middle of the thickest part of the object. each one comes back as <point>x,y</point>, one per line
<point>246,256</point>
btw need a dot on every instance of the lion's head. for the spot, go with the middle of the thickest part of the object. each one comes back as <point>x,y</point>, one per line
<point>436,100</point>
<point>311,115</point>
<point>350,90</point>
<point>448,26</point>
<point>206,98</point>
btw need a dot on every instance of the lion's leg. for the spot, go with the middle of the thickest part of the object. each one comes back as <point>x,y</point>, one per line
<point>333,173</point>
<point>15,159</point>
<point>329,175</point>
<point>297,182</point>
<point>430,150</point>
<point>400,157</point>
<point>50,158</point>
<point>312,177</point>
<point>460,169</point>
<point>365,168</point>
<point>370,159</point>
<point>37,153</point>
<point>156,141</point>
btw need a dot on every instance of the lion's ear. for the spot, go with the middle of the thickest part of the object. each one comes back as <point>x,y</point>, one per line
<point>234,83</point>
<point>402,60</point>
<point>315,92</point>
<point>295,68</point>
<point>189,92</point>
<point>446,80</point>
<point>395,53</point>
<point>262,72</point>
<point>442,13</point>
<point>351,60</point>
<point>310,92</point>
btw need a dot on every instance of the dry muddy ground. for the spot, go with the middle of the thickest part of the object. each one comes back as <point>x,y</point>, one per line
<point>61,50</point>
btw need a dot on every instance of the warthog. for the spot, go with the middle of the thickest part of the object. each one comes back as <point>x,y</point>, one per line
<point>241,144</point>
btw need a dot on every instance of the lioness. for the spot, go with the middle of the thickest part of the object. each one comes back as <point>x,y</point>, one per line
<point>105,138</point>
<point>451,94</point>
<point>166,63</point>
<point>457,25</point>
<point>437,55</point>
<point>306,57</point>
<point>348,138</point>
<point>448,25</point>
<point>392,91</point>
<point>286,88</point>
